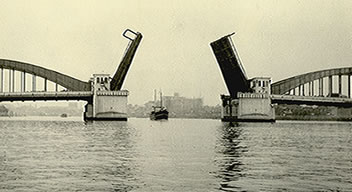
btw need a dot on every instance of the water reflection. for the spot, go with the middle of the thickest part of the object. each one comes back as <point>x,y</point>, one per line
<point>231,150</point>
<point>178,155</point>
<point>68,156</point>
<point>114,143</point>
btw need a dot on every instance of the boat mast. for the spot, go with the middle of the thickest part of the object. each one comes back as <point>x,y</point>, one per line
<point>154,96</point>
<point>161,99</point>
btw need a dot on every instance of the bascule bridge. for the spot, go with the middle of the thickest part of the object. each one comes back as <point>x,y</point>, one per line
<point>104,95</point>
<point>253,99</point>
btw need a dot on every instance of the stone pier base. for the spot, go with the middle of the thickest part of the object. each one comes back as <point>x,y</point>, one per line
<point>249,107</point>
<point>107,105</point>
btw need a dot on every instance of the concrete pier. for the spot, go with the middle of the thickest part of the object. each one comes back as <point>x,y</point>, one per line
<point>254,106</point>
<point>249,107</point>
<point>106,104</point>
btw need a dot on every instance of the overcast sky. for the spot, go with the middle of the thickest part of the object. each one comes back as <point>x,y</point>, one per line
<point>274,38</point>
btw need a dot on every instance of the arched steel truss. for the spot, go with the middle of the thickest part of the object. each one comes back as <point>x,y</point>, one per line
<point>284,86</point>
<point>66,81</point>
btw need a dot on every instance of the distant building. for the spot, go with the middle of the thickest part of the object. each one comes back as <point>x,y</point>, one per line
<point>178,105</point>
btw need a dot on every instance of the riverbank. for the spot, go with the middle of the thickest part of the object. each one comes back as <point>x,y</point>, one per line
<point>312,113</point>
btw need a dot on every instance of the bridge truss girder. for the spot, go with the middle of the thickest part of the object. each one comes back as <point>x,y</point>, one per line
<point>286,85</point>
<point>70,83</point>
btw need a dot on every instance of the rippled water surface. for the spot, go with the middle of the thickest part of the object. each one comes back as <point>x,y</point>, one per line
<point>66,154</point>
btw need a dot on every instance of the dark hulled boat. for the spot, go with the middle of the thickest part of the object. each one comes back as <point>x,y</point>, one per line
<point>159,112</point>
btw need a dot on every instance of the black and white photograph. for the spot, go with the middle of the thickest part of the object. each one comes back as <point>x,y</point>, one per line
<point>175,95</point>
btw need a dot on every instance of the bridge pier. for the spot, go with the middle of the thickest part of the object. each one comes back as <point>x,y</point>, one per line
<point>250,106</point>
<point>106,104</point>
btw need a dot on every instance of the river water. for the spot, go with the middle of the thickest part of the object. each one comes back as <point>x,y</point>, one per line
<point>66,154</point>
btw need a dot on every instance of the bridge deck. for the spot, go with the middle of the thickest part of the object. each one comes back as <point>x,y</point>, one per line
<point>230,65</point>
<point>46,96</point>
<point>126,61</point>
<point>311,100</point>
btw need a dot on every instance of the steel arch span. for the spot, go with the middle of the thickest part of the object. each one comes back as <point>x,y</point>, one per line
<point>66,81</point>
<point>284,86</point>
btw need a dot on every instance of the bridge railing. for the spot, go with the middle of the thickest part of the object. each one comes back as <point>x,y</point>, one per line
<point>253,95</point>
<point>312,98</point>
<point>113,93</point>
<point>33,96</point>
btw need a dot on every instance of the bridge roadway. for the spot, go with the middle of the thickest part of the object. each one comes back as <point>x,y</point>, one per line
<point>311,100</point>
<point>46,96</point>
<point>88,95</point>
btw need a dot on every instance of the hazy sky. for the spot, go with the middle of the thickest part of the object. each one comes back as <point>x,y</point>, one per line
<point>274,38</point>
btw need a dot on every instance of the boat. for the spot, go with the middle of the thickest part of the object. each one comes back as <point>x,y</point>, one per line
<point>64,115</point>
<point>159,112</point>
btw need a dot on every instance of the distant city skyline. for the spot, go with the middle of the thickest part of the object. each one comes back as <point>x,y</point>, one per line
<point>277,39</point>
